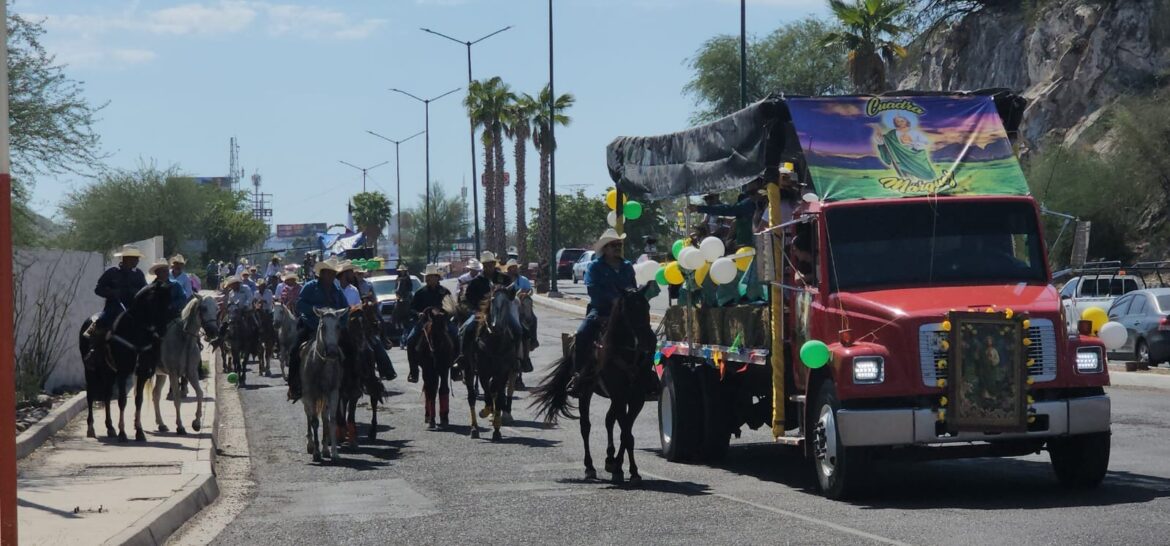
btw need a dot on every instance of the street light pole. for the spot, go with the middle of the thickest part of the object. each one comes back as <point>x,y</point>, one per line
<point>427,138</point>
<point>474,176</point>
<point>743,53</point>
<point>8,534</point>
<point>364,170</point>
<point>552,157</point>
<point>397,183</point>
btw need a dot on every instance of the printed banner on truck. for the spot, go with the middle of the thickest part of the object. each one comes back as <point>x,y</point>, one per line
<point>870,147</point>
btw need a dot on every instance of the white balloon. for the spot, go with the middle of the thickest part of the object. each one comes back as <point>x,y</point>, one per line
<point>690,258</point>
<point>611,218</point>
<point>1113,335</point>
<point>723,271</point>
<point>711,248</point>
<point>644,273</point>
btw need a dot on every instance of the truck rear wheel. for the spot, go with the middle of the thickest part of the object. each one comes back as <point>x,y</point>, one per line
<point>837,467</point>
<point>679,413</point>
<point>716,435</point>
<point>1080,461</point>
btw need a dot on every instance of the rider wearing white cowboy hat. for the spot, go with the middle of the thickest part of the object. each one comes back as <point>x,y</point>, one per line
<point>348,287</point>
<point>238,298</point>
<point>289,291</point>
<point>162,277</point>
<point>242,267</point>
<point>179,277</point>
<point>321,292</point>
<point>432,294</point>
<point>605,279</point>
<point>117,286</point>
<point>476,293</point>
<point>273,267</point>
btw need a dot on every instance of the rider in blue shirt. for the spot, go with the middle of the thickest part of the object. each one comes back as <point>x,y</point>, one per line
<point>321,292</point>
<point>180,277</point>
<point>606,277</point>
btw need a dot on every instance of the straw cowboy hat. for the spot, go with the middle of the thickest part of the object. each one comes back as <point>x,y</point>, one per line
<point>275,258</point>
<point>228,282</point>
<point>511,263</point>
<point>347,266</point>
<point>329,264</point>
<point>608,237</point>
<point>289,277</point>
<point>402,267</point>
<point>474,265</point>
<point>161,264</point>
<point>488,257</point>
<point>178,259</point>
<point>243,260</point>
<point>432,269</point>
<point>128,251</point>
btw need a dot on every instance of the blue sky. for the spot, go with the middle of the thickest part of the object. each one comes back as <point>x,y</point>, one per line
<point>299,83</point>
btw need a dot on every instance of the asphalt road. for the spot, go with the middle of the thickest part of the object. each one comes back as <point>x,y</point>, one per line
<point>411,485</point>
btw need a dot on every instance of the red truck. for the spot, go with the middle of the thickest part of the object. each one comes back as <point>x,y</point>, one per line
<point>901,236</point>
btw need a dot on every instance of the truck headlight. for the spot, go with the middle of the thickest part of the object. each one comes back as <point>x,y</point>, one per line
<point>868,370</point>
<point>1089,360</point>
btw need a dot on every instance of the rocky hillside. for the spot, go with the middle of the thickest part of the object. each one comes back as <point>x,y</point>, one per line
<point>1070,58</point>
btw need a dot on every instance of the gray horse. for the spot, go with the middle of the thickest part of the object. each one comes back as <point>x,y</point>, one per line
<point>286,334</point>
<point>320,379</point>
<point>179,358</point>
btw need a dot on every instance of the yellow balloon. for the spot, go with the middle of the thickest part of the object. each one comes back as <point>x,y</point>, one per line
<point>611,199</point>
<point>701,273</point>
<point>743,259</point>
<point>674,273</point>
<point>1097,316</point>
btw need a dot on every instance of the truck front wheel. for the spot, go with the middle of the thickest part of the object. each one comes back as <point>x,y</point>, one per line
<point>679,413</point>
<point>1080,461</point>
<point>837,467</point>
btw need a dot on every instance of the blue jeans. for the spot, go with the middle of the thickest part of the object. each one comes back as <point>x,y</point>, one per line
<point>587,333</point>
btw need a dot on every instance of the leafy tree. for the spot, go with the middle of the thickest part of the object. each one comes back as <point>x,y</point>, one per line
<point>870,30</point>
<point>372,212</point>
<point>544,141</point>
<point>448,224</point>
<point>129,205</point>
<point>50,121</point>
<point>792,59</point>
<point>580,220</point>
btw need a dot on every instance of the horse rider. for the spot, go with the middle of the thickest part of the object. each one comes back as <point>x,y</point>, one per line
<point>238,298</point>
<point>307,267</point>
<point>273,267</point>
<point>289,291</point>
<point>240,269</point>
<point>477,291</point>
<point>523,286</point>
<point>473,270</point>
<point>162,278</point>
<point>178,276</point>
<point>323,292</point>
<point>605,278</point>
<point>744,211</point>
<point>366,295</point>
<point>117,286</point>
<point>247,281</point>
<point>432,294</point>
<point>365,288</point>
<point>348,288</point>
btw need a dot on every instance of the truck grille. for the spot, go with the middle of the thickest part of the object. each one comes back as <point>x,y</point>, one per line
<point>1043,350</point>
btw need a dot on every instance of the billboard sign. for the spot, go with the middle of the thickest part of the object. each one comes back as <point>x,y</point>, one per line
<point>300,230</point>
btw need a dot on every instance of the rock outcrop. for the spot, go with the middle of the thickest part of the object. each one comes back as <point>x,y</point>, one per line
<point>1069,58</point>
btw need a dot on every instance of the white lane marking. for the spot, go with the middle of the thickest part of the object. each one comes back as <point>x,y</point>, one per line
<point>802,517</point>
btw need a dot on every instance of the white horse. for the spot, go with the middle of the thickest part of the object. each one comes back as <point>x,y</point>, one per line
<point>179,358</point>
<point>320,381</point>
<point>286,334</point>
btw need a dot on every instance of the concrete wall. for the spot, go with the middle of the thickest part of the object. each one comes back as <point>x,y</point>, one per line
<point>60,284</point>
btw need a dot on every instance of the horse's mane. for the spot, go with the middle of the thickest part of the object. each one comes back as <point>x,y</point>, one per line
<point>189,309</point>
<point>615,333</point>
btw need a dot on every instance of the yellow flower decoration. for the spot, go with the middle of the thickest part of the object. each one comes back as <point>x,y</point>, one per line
<point>1007,313</point>
<point>1031,362</point>
<point>941,364</point>
<point>990,309</point>
<point>946,345</point>
<point>1027,342</point>
<point>946,325</point>
<point>1031,400</point>
<point>942,383</point>
<point>1027,324</point>
<point>1030,381</point>
<point>942,401</point>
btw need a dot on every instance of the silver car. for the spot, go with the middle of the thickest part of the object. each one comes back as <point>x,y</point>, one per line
<point>1144,313</point>
<point>581,265</point>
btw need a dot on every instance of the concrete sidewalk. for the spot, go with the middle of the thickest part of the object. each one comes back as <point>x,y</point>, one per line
<point>78,490</point>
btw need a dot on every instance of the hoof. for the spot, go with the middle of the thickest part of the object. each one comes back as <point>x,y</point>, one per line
<point>90,433</point>
<point>139,436</point>
<point>317,459</point>
<point>195,425</point>
<point>483,413</point>
<point>609,465</point>
<point>163,428</point>
<point>372,435</point>
<point>181,431</point>
<point>475,433</point>
<point>443,421</point>
<point>590,474</point>
<point>496,436</point>
<point>122,437</point>
<point>432,426</point>
<point>635,480</point>
<point>617,477</point>
<point>111,433</point>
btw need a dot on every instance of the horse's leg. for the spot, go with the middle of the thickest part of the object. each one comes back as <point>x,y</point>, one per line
<point>122,409</point>
<point>373,433</point>
<point>311,431</point>
<point>334,454</point>
<point>351,423</point>
<point>497,393</point>
<point>583,409</point>
<point>139,387</point>
<point>193,379</point>
<point>110,431</point>
<point>469,380</point>
<point>175,381</point>
<point>156,397</point>
<point>618,408</point>
<point>611,417</point>
<point>89,396</point>
<point>444,396</point>
<point>507,402</point>
<point>637,400</point>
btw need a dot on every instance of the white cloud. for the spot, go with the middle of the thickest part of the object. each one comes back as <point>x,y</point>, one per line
<point>314,22</point>
<point>86,54</point>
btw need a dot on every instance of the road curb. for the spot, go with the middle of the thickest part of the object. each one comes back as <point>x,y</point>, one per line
<point>36,435</point>
<point>1120,368</point>
<point>158,524</point>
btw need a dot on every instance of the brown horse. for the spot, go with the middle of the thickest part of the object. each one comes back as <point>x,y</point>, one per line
<point>433,351</point>
<point>358,375</point>
<point>619,371</point>
<point>493,362</point>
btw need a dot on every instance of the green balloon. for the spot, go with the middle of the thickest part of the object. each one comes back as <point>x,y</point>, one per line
<point>660,276</point>
<point>676,248</point>
<point>632,210</point>
<point>814,353</point>
<point>233,378</point>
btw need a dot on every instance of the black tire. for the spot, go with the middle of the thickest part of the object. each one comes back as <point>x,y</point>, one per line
<point>836,467</point>
<point>716,434</point>
<point>1141,353</point>
<point>679,414</point>
<point>1080,461</point>
<point>574,278</point>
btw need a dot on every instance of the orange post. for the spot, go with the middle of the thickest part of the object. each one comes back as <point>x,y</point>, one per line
<point>7,334</point>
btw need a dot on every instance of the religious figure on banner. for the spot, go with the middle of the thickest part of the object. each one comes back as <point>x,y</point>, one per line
<point>902,146</point>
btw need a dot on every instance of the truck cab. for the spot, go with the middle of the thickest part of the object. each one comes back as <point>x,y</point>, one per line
<point>1095,289</point>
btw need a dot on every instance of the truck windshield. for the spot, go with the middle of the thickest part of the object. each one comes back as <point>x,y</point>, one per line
<point>927,243</point>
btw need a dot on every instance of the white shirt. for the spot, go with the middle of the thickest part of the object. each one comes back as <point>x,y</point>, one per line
<point>271,269</point>
<point>240,269</point>
<point>239,299</point>
<point>351,295</point>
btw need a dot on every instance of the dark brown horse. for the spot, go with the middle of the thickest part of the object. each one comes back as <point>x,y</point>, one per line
<point>433,351</point>
<point>358,373</point>
<point>493,362</point>
<point>619,371</point>
<point>132,349</point>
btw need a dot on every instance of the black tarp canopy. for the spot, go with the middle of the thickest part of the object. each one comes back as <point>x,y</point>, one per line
<point>734,150</point>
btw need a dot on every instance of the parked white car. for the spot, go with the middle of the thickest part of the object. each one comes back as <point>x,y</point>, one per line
<point>581,265</point>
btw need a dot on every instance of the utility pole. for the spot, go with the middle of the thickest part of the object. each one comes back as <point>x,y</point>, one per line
<point>364,170</point>
<point>397,183</point>
<point>552,161</point>
<point>427,138</point>
<point>8,533</point>
<point>474,176</point>
<point>742,54</point>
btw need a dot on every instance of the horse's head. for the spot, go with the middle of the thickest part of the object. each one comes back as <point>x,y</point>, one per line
<point>208,315</point>
<point>632,311</point>
<point>329,330</point>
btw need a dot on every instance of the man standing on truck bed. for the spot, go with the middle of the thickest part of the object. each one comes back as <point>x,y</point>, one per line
<point>744,211</point>
<point>605,278</point>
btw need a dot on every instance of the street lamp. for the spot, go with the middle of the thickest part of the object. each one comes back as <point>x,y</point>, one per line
<point>552,158</point>
<point>427,130</point>
<point>364,170</point>
<point>474,177</point>
<point>398,182</point>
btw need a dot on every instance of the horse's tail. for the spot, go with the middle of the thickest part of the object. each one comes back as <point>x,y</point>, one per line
<point>551,397</point>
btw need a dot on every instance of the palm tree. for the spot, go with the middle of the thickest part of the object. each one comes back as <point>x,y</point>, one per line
<point>371,212</point>
<point>545,143</point>
<point>870,28</point>
<point>519,128</point>
<point>486,103</point>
